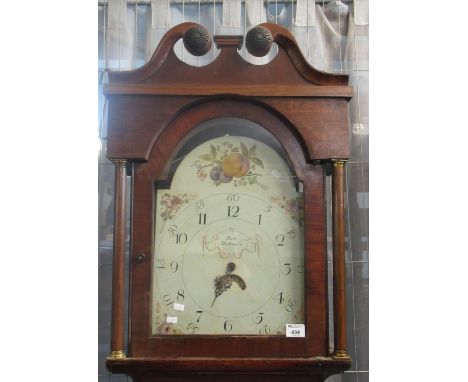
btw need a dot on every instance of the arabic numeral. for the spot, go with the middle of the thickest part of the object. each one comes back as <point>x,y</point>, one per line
<point>259,318</point>
<point>232,198</point>
<point>181,238</point>
<point>168,300</point>
<point>286,269</point>
<point>161,264</point>
<point>290,305</point>
<point>227,326</point>
<point>172,230</point>
<point>264,330</point>
<point>174,266</point>
<point>180,295</point>
<point>200,205</point>
<point>233,211</point>
<point>279,240</point>
<point>292,234</point>
<point>199,312</point>
<point>192,328</point>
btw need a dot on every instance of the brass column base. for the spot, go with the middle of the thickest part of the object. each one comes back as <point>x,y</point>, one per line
<point>117,354</point>
<point>340,355</point>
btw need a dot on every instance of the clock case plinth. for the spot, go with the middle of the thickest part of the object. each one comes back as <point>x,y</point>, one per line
<point>315,369</point>
<point>151,110</point>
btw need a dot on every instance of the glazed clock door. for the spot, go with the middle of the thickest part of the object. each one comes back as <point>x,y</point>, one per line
<point>228,240</point>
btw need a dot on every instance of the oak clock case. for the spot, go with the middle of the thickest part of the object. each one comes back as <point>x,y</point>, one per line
<point>228,250</point>
<point>228,223</point>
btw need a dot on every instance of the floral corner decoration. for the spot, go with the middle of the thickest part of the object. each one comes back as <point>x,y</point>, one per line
<point>226,162</point>
<point>171,204</point>
<point>293,207</point>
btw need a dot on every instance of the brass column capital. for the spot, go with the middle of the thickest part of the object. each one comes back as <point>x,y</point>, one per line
<point>119,162</point>
<point>338,162</point>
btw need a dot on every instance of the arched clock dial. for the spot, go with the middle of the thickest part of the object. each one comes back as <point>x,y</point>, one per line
<point>229,254</point>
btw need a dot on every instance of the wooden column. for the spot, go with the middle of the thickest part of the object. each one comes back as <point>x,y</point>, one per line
<point>339,269</point>
<point>118,270</point>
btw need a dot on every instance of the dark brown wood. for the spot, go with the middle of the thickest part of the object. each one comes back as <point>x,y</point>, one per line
<point>152,110</point>
<point>315,102</point>
<point>159,376</point>
<point>289,70</point>
<point>321,123</point>
<point>260,90</point>
<point>147,173</point>
<point>312,369</point>
<point>339,270</point>
<point>229,41</point>
<point>118,270</point>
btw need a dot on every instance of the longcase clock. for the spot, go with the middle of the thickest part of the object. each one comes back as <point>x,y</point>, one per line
<point>228,263</point>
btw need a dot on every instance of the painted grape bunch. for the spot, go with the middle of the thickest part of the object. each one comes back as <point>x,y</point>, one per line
<point>226,162</point>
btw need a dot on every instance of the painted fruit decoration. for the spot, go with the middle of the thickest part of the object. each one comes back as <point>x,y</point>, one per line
<point>235,165</point>
<point>226,162</point>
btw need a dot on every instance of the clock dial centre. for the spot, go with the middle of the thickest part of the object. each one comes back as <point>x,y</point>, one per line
<point>223,282</point>
<point>237,270</point>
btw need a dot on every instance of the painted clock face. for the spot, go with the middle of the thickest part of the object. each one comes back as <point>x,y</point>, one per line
<point>228,243</point>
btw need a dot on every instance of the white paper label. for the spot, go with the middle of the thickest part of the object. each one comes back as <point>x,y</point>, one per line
<point>171,320</point>
<point>295,330</point>
<point>179,306</point>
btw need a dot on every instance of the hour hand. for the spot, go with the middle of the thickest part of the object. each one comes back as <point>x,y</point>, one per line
<point>238,280</point>
<point>224,282</point>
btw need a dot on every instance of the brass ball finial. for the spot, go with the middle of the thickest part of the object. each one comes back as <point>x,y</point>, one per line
<point>258,41</point>
<point>197,40</point>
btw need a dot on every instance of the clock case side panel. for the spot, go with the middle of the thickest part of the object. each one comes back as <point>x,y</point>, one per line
<point>142,344</point>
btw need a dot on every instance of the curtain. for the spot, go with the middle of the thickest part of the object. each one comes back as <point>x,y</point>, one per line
<point>129,33</point>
